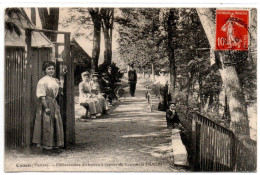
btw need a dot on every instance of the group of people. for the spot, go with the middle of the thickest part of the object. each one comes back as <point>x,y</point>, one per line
<point>166,103</point>
<point>95,94</point>
<point>48,131</point>
<point>91,97</point>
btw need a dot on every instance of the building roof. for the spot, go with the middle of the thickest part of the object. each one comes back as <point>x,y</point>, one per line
<point>77,44</point>
<point>22,21</point>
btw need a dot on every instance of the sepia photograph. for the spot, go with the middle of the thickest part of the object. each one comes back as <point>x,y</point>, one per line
<point>130,89</point>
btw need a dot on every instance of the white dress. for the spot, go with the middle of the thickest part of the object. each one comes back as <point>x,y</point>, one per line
<point>85,97</point>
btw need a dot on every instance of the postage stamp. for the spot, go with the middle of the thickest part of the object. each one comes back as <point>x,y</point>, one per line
<point>232,30</point>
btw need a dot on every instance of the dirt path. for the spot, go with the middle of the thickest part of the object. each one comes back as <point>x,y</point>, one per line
<point>131,138</point>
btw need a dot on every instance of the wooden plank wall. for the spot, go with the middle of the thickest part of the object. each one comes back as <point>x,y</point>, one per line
<point>16,135</point>
<point>15,74</point>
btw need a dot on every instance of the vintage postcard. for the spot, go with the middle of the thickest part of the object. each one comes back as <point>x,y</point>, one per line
<point>130,89</point>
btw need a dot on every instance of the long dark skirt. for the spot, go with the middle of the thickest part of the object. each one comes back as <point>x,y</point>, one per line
<point>48,129</point>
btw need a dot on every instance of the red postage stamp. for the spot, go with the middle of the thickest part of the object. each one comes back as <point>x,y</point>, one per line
<point>232,29</point>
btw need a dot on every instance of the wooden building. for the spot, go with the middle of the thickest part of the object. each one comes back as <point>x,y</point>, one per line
<point>24,56</point>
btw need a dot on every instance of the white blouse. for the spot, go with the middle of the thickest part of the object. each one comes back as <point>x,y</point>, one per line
<point>47,86</point>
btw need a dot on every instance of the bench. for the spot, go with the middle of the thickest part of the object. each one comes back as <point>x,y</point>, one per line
<point>86,106</point>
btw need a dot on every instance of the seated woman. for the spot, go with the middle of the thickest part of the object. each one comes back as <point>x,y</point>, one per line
<point>95,89</point>
<point>86,98</point>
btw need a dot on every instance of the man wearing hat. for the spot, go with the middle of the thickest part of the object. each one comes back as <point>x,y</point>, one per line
<point>105,88</point>
<point>163,82</point>
<point>132,79</point>
<point>172,117</point>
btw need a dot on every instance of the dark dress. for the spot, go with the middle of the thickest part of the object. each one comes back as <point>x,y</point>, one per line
<point>132,79</point>
<point>106,89</point>
<point>171,118</point>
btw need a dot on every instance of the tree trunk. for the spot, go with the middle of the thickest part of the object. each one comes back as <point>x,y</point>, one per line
<point>153,74</point>
<point>107,26</point>
<point>236,99</point>
<point>200,92</point>
<point>190,77</point>
<point>108,49</point>
<point>171,34</point>
<point>97,20</point>
<point>49,22</point>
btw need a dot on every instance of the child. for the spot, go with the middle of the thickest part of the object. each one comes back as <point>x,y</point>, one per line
<point>95,89</point>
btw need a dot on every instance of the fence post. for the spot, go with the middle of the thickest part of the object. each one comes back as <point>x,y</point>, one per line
<point>233,152</point>
<point>193,142</point>
<point>69,94</point>
<point>197,153</point>
<point>27,89</point>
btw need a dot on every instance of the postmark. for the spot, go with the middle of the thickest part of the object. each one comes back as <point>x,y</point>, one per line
<point>232,30</point>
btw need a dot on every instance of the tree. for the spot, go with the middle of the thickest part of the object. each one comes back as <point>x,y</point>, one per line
<point>49,21</point>
<point>235,95</point>
<point>139,38</point>
<point>9,25</point>
<point>107,27</point>
<point>97,22</point>
<point>169,23</point>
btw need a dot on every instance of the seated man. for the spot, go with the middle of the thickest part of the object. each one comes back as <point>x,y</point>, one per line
<point>172,117</point>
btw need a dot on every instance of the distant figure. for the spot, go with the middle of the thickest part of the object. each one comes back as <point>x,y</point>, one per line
<point>163,82</point>
<point>172,117</point>
<point>132,80</point>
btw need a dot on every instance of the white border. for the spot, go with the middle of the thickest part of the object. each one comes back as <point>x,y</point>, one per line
<point>110,3</point>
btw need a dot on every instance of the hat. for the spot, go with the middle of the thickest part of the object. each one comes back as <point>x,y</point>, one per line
<point>172,102</point>
<point>104,74</point>
<point>95,74</point>
<point>163,70</point>
<point>85,74</point>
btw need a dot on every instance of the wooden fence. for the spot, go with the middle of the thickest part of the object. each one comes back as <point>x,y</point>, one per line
<point>15,80</point>
<point>215,148</point>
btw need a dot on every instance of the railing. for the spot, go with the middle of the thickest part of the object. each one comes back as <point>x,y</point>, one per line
<point>215,148</point>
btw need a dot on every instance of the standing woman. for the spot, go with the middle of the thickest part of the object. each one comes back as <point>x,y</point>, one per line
<point>48,127</point>
<point>163,82</point>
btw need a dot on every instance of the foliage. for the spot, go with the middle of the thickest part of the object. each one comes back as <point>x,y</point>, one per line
<point>9,25</point>
<point>139,37</point>
<point>114,70</point>
<point>88,23</point>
